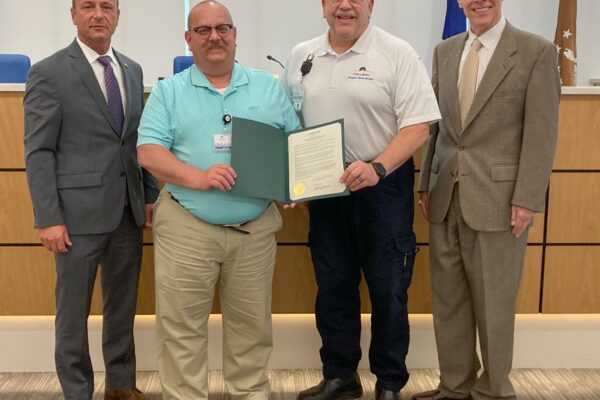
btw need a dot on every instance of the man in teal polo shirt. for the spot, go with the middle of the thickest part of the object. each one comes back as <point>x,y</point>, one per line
<point>202,233</point>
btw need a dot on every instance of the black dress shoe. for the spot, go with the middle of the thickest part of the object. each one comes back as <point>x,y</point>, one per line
<point>334,389</point>
<point>384,394</point>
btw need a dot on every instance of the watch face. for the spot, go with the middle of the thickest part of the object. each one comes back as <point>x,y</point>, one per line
<point>379,170</point>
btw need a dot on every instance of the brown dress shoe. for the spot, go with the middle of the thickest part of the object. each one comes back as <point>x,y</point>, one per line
<point>432,395</point>
<point>131,394</point>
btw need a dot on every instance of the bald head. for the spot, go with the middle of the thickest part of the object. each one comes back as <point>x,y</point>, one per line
<point>203,6</point>
<point>211,37</point>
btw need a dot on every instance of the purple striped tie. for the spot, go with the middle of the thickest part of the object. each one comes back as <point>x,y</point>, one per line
<point>113,93</point>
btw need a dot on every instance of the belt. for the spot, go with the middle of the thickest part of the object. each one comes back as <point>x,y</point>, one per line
<point>235,227</point>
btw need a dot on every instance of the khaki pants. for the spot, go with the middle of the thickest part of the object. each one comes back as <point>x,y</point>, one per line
<point>191,256</point>
<point>475,278</point>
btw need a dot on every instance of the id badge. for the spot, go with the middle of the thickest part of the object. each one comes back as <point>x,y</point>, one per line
<point>222,143</point>
<point>298,96</point>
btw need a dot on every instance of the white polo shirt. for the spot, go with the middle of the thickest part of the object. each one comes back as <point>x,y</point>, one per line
<point>379,86</point>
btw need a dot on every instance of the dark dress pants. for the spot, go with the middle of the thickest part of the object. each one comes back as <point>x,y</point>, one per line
<point>368,231</point>
<point>119,254</point>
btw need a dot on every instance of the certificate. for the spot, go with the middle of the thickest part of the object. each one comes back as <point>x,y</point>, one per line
<point>289,167</point>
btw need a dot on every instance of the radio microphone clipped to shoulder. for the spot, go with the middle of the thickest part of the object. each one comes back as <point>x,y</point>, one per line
<point>307,64</point>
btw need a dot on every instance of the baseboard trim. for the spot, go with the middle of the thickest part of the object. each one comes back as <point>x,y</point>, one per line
<point>541,341</point>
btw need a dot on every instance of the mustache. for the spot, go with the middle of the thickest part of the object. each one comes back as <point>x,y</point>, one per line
<point>344,14</point>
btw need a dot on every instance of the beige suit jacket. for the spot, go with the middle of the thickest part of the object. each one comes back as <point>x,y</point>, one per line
<point>504,152</point>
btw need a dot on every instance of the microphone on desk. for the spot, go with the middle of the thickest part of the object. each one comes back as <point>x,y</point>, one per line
<point>271,58</point>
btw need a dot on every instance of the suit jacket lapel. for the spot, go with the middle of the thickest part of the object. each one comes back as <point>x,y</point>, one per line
<point>449,82</point>
<point>500,64</point>
<point>86,73</point>
<point>128,91</point>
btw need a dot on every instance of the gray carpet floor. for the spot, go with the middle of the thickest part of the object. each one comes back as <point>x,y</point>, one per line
<point>555,384</point>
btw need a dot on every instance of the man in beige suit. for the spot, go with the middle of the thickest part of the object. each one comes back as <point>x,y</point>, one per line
<point>485,173</point>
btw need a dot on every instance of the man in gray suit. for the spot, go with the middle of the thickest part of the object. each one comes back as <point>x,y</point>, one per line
<point>485,172</point>
<point>90,197</point>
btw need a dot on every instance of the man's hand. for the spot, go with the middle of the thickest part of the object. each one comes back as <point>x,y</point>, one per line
<point>424,204</point>
<point>359,175</point>
<point>302,206</point>
<point>149,216</point>
<point>520,219</point>
<point>219,176</point>
<point>55,238</point>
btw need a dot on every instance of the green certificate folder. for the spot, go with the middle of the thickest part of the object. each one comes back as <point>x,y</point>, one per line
<point>289,167</point>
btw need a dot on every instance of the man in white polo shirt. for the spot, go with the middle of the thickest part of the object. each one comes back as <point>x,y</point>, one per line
<point>378,84</point>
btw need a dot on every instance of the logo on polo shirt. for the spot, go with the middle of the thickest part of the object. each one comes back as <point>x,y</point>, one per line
<point>361,74</point>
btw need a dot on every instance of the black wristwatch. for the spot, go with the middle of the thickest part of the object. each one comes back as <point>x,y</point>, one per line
<point>379,170</point>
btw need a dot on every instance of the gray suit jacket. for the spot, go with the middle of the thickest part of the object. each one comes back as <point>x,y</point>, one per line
<point>78,169</point>
<point>504,152</point>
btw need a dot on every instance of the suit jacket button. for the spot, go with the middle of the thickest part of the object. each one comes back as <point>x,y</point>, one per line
<point>461,148</point>
<point>122,173</point>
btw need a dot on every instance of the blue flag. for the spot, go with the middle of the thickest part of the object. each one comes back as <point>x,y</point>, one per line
<point>455,22</point>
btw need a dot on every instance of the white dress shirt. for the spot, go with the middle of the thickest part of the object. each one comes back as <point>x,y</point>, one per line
<point>489,41</point>
<point>98,68</point>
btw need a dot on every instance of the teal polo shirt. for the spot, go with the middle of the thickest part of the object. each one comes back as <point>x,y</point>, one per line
<point>184,113</point>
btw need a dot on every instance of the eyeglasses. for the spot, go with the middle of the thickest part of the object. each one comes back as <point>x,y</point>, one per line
<point>353,2</point>
<point>205,31</point>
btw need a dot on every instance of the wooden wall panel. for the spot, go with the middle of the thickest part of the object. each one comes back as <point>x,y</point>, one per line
<point>418,158</point>
<point>148,236</point>
<point>294,285</point>
<point>528,299</point>
<point>536,232</point>
<point>420,225</point>
<point>16,212</point>
<point>574,208</point>
<point>578,145</point>
<point>27,273</point>
<point>572,280</point>
<point>27,278</point>
<point>145,302</point>
<point>11,130</point>
<point>419,293</point>
<point>295,226</point>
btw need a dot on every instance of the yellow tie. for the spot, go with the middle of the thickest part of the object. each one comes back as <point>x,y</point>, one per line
<point>468,80</point>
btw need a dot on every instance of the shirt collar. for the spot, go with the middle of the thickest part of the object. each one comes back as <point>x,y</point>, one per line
<point>361,46</point>
<point>238,78</point>
<point>91,55</point>
<point>490,38</point>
